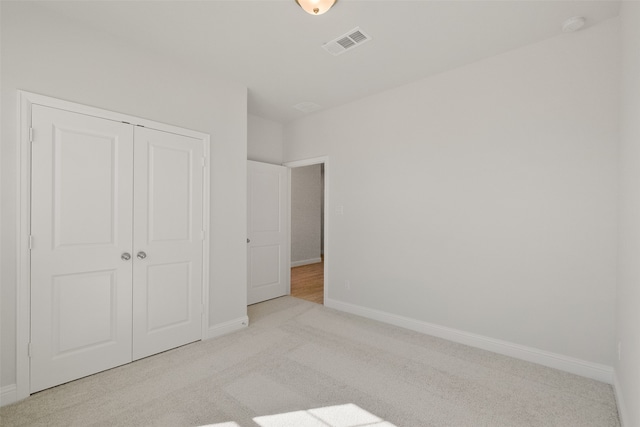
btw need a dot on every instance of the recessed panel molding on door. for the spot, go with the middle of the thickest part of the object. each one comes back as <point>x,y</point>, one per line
<point>117,226</point>
<point>168,213</point>
<point>267,228</point>
<point>81,223</point>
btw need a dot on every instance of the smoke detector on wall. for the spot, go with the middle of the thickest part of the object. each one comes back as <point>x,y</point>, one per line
<point>573,24</point>
<point>307,107</point>
<point>350,40</point>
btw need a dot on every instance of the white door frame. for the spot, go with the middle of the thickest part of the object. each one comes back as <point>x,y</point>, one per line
<point>308,162</point>
<point>23,265</point>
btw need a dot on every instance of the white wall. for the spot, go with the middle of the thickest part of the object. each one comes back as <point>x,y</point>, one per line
<point>50,55</point>
<point>264,140</point>
<point>628,307</point>
<point>483,199</point>
<point>306,205</point>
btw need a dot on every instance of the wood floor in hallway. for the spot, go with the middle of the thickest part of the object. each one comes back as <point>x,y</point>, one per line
<point>307,282</point>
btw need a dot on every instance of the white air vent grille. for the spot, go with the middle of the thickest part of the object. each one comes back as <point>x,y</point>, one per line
<point>352,39</point>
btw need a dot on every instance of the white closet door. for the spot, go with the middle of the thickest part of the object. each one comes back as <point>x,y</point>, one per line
<point>81,224</point>
<point>267,228</point>
<point>168,241</point>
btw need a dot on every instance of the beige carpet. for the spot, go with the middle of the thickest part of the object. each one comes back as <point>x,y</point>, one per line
<point>297,356</point>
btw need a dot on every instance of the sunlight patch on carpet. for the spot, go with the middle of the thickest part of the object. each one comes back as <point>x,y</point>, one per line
<point>348,415</point>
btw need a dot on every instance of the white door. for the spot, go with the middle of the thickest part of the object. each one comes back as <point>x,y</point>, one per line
<point>117,244</point>
<point>168,239</point>
<point>81,224</point>
<point>267,228</point>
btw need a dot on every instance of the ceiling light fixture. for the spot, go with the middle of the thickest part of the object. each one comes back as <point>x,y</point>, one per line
<point>316,7</point>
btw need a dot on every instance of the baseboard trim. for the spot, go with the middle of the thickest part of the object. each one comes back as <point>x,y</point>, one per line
<point>226,327</point>
<point>622,409</point>
<point>557,361</point>
<point>8,394</point>
<point>305,262</point>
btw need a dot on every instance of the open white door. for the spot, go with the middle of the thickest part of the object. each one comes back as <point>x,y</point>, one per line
<point>267,228</point>
<point>81,222</point>
<point>168,238</point>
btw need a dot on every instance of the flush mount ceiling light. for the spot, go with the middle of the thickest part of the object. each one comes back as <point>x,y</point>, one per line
<point>316,7</point>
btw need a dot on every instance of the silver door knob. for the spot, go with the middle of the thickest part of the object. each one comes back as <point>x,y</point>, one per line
<point>125,256</point>
<point>141,255</point>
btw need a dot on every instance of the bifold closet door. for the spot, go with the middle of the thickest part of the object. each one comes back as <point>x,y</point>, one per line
<point>168,239</point>
<point>81,228</point>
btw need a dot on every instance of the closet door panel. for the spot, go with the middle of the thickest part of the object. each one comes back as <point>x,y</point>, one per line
<point>168,241</point>
<point>81,223</point>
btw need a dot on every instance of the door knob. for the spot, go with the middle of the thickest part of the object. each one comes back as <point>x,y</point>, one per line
<point>125,256</point>
<point>141,255</point>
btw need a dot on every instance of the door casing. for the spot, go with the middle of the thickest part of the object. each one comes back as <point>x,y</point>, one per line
<point>23,303</point>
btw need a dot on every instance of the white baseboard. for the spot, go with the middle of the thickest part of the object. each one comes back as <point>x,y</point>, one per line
<point>622,409</point>
<point>226,327</point>
<point>305,262</point>
<point>557,361</point>
<point>8,395</point>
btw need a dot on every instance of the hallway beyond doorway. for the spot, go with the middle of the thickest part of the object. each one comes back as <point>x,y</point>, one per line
<point>307,282</point>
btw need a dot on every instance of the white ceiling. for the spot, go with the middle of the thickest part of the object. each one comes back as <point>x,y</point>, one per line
<point>274,48</point>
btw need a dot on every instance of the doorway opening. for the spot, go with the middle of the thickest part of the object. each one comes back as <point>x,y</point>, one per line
<point>308,232</point>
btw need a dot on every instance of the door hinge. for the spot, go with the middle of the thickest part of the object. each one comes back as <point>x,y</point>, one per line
<point>204,162</point>
<point>30,134</point>
<point>29,353</point>
<point>30,242</point>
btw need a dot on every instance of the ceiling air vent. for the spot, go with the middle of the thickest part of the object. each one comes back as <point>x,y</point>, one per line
<point>352,39</point>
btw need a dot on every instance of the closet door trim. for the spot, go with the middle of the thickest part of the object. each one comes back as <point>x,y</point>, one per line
<point>23,206</point>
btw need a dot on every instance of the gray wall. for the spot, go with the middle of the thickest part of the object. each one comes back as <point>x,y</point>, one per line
<point>264,140</point>
<point>483,199</point>
<point>54,56</point>
<point>306,208</point>
<point>628,308</point>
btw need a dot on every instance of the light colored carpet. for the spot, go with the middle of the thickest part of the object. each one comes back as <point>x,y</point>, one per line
<point>297,356</point>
